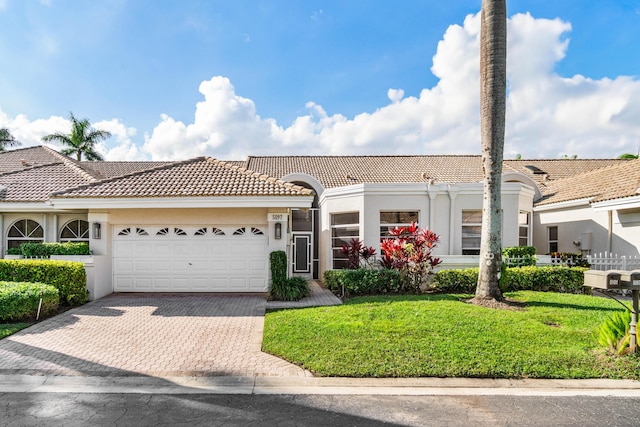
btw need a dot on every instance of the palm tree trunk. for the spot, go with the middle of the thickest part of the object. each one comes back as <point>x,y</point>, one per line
<point>493,85</point>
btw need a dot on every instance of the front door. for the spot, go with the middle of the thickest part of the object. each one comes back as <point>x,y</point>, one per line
<point>302,257</point>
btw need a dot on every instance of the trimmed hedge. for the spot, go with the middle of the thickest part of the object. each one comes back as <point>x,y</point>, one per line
<point>554,279</point>
<point>520,256</point>
<point>363,281</point>
<point>46,249</point>
<point>20,300</point>
<point>68,277</point>
<point>368,281</point>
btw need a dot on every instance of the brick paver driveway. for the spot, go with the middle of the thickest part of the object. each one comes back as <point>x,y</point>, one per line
<point>161,335</point>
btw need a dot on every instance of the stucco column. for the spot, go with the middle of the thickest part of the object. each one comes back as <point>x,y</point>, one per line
<point>432,208</point>
<point>453,192</point>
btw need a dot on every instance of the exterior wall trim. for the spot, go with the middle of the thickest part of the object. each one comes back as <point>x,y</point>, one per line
<point>563,205</point>
<point>186,202</point>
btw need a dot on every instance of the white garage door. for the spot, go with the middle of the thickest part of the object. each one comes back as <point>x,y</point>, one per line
<point>190,259</point>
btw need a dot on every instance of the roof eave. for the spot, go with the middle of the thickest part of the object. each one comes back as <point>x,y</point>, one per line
<point>616,204</point>
<point>184,202</point>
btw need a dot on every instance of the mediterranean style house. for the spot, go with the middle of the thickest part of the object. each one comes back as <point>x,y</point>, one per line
<point>205,225</point>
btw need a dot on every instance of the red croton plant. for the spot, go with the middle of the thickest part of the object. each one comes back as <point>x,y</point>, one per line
<point>409,251</point>
<point>356,252</point>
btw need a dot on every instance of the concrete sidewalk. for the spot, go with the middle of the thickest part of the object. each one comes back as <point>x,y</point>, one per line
<point>318,386</point>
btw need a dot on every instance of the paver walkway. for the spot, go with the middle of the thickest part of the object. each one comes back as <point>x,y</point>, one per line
<point>150,334</point>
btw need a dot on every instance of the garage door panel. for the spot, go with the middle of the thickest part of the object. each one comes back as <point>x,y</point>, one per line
<point>198,263</point>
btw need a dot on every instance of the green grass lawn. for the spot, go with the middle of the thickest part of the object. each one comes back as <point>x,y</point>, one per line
<point>7,329</point>
<point>442,336</point>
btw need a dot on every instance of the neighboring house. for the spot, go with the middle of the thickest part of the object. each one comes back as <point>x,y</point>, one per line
<point>208,225</point>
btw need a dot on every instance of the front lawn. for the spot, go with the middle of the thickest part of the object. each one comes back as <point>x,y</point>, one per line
<point>7,329</point>
<point>442,336</point>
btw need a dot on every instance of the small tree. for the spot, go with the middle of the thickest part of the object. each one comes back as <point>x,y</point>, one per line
<point>7,140</point>
<point>356,252</point>
<point>410,252</point>
<point>81,141</point>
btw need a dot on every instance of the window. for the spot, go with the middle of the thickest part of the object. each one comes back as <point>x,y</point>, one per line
<point>523,229</point>
<point>75,231</point>
<point>24,231</point>
<point>134,231</point>
<point>553,238</point>
<point>471,232</point>
<point>344,227</point>
<point>391,220</point>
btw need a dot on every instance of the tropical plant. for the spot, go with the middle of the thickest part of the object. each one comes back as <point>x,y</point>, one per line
<point>7,140</point>
<point>409,251</point>
<point>614,334</point>
<point>628,156</point>
<point>357,253</point>
<point>81,141</point>
<point>493,87</point>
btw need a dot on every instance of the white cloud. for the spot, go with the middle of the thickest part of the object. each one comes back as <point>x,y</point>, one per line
<point>548,115</point>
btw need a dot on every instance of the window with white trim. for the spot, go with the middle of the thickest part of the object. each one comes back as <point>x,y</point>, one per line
<point>471,232</point>
<point>391,220</point>
<point>523,228</point>
<point>75,231</point>
<point>24,231</point>
<point>552,233</point>
<point>344,227</point>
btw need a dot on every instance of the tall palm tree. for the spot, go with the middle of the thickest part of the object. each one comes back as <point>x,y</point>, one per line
<point>493,89</point>
<point>7,140</point>
<point>81,141</point>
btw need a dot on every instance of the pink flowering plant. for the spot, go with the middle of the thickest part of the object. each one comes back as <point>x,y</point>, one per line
<point>409,251</point>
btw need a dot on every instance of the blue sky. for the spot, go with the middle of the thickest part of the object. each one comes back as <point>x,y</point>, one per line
<point>178,79</point>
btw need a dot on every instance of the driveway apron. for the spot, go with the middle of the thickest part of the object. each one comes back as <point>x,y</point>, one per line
<point>149,334</point>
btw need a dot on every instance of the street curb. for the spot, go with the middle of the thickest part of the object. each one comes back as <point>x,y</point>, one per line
<point>328,386</point>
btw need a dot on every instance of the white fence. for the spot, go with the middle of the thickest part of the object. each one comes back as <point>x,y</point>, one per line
<point>609,261</point>
<point>598,262</point>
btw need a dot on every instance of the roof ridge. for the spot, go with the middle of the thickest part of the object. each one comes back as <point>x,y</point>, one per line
<point>72,164</point>
<point>32,167</point>
<point>127,175</point>
<point>582,175</point>
<point>260,176</point>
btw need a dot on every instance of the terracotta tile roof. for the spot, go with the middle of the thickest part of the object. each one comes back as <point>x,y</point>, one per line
<point>336,171</point>
<point>199,177</point>
<point>108,169</point>
<point>22,158</point>
<point>35,184</point>
<point>613,182</point>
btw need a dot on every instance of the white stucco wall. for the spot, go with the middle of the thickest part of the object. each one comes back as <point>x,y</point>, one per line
<point>573,224</point>
<point>440,209</point>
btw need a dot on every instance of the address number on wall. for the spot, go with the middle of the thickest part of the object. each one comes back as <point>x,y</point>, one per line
<point>278,217</point>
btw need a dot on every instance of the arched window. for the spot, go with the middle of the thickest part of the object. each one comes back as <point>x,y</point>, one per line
<point>24,231</point>
<point>75,231</point>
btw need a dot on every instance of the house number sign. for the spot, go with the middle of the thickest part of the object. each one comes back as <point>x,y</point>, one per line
<point>278,217</point>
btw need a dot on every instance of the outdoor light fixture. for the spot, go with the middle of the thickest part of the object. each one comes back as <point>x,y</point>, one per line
<point>97,232</point>
<point>278,230</point>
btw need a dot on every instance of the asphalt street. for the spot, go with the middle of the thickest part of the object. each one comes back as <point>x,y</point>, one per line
<point>94,409</point>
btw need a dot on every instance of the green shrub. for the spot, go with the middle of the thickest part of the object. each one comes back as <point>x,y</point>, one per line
<point>553,279</point>
<point>46,249</point>
<point>20,300</point>
<point>570,259</point>
<point>278,265</point>
<point>363,281</point>
<point>456,281</point>
<point>546,279</point>
<point>68,277</point>
<point>14,251</point>
<point>291,289</point>
<point>614,334</point>
<point>519,256</point>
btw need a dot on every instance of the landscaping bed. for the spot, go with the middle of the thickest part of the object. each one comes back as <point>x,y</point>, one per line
<point>552,336</point>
